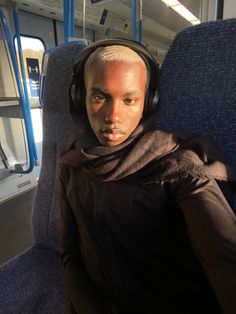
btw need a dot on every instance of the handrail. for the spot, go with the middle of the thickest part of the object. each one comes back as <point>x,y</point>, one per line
<point>68,8</point>
<point>71,16</point>
<point>21,93</point>
<point>3,157</point>
<point>134,22</point>
<point>65,13</point>
<point>27,102</point>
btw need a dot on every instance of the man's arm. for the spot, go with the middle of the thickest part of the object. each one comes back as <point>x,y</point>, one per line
<point>211,226</point>
<point>83,294</point>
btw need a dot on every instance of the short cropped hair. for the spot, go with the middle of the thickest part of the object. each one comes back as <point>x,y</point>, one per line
<point>115,53</point>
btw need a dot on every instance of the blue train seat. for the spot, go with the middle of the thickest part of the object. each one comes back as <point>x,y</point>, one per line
<point>198,84</point>
<point>198,95</point>
<point>33,281</point>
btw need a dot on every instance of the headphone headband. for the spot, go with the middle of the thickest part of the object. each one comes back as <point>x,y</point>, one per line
<point>76,95</point>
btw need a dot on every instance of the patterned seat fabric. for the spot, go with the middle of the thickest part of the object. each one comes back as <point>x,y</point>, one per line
<point>198,84</point>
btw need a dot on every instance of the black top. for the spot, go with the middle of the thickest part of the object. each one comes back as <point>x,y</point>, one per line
<point>148,246</point>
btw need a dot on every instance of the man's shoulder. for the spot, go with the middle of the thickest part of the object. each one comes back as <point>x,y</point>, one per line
<point>190,155</point>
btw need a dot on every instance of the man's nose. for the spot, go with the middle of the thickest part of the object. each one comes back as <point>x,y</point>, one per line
<point>113,113</point>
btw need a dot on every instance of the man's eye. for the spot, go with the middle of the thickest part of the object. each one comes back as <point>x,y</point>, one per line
<point>98,98</point>
<point>130,101</point>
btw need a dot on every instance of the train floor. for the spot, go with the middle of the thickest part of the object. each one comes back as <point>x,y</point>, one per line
<point>15,225</point>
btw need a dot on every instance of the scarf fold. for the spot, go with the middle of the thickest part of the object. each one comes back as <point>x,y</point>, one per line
<point>148,155</point>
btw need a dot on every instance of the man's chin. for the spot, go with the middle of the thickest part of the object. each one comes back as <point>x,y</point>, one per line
<point>111,143</point>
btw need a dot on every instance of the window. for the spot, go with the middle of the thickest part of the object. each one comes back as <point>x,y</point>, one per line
<point>32,50</point>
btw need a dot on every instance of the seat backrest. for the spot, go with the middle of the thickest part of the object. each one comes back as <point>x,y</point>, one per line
<point>57,125</point>
<point>198,84</point>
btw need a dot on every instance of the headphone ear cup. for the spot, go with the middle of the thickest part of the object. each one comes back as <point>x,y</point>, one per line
<point>151,103</point>
<point>81,99</point>
<point>73,95</point>
<point>155,102</point>
<point>77,98</point>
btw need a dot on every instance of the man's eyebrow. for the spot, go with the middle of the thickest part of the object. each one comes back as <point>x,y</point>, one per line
<point>100,89</point>
<point>132,92</point>
<point>97,89</point>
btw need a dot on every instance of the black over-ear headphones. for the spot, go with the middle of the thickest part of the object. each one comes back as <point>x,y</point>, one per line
<point>77,86</point>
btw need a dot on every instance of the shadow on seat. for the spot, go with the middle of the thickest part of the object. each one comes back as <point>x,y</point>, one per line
<point>198,96</point>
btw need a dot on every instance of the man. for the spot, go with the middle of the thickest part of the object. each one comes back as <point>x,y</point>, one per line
<point>145,226</point>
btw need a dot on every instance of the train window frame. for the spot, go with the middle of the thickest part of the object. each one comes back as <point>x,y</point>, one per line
<point>34,100</point>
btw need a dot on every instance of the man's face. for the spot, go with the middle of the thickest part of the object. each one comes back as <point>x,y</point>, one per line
<point>115,95</point>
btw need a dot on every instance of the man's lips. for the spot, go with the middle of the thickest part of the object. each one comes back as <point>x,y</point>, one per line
<point>112,134</point>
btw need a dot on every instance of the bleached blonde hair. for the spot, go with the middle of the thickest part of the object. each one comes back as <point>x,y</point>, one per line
<point>115,53</point>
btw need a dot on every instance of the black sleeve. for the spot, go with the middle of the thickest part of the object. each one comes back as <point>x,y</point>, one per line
<point>83,294</point>
<point>211,226</point>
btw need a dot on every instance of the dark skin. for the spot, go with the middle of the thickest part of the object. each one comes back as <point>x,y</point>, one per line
<point>115,96</point>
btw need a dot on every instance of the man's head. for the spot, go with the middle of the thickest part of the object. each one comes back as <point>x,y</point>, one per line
<point>115,81</point>
<point>110,72</point>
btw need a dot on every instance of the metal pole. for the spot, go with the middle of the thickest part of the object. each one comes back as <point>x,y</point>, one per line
<point>72,22</point>
<point>84,18</point>
<point>134,19</point>
<point>69,18</point>
<point>66,24</point>
<point>140,21</point>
